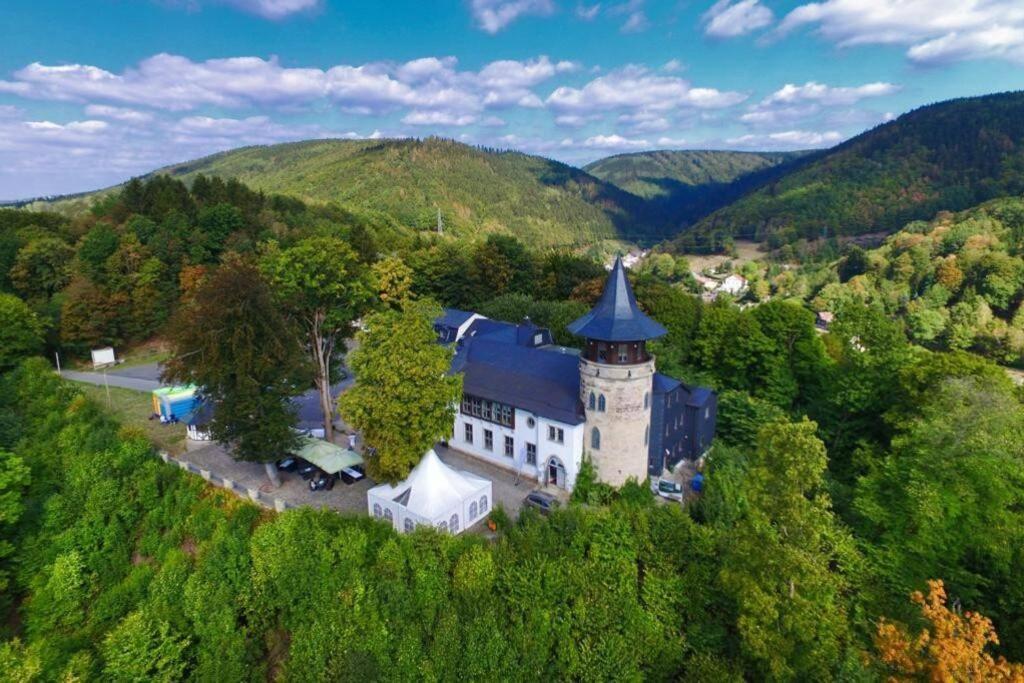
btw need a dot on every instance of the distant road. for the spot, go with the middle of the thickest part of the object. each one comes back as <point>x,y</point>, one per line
<point>141,378</point>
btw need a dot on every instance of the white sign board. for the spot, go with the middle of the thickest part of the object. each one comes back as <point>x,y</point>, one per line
<point>102,357</point>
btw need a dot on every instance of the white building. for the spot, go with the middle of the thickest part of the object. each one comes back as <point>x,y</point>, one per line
<point>538,409</point>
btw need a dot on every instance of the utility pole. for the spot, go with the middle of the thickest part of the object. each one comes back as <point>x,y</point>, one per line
<point>440,222</point>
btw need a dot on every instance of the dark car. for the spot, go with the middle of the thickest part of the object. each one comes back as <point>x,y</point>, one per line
<point>289,464</point>
<point>542,502</point>
<point>307,470</point>
<point>322,481</point>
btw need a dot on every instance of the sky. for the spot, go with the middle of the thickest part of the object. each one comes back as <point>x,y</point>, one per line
<point>93,92</point>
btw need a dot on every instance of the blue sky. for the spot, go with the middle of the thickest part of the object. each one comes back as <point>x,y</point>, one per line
<point>95,91</point>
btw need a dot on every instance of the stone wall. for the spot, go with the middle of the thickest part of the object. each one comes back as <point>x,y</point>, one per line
<point>625,421</point>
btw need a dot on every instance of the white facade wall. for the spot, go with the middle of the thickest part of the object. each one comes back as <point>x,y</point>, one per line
<point>569,452</point>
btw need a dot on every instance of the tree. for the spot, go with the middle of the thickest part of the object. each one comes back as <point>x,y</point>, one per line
<point>21,332</point>
<point>233,341</point>
<point>323,287</point>
<point>404,397</point>
<point>42,267</point>
<point>141,649</point>
<point>96,247</point>
<point>951,647</point>
<point>14,478</point>
<point>393,281</point>
<point>785,557</point>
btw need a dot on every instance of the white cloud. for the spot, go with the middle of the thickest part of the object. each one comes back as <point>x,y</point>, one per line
<point>792,103</point>
<point>789,139</point>
<point>588,12</point>
<point>673,66</point>
<point>726,19</point>
<point>176,83</point>
<point>274,9</point>
<point>636,23</point>
<point>637,88</point>
<point>645,122</point>
<point>672,142</point>
<point>636,18</point>
<point>610,142</point>
<point>494,15</point>
<point>935,31</point>
<point>118,113</point>
<point>437,118</point>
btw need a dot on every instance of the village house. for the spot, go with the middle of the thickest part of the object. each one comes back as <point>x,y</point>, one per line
<point>537,408</point>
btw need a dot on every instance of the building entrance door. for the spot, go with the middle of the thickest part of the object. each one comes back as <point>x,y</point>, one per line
<point>556,472</point>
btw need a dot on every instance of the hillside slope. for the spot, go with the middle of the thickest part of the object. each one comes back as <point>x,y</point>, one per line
<point>945,156</point>
<point>652,175</point>
<point>543,202</point>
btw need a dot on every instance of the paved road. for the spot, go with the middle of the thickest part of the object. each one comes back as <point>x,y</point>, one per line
<point>113,380</point>
<point>149,371</point>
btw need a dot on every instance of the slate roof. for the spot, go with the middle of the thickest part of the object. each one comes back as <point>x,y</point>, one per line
<point>616,317</point>
<point>664,384</point>
<point>544,381</point>
<point>453,317</point>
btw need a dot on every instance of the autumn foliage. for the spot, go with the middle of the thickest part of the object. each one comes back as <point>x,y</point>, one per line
<point>951,648</point>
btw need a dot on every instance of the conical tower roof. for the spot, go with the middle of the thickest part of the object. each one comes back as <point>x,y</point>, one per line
<point>616,317</point>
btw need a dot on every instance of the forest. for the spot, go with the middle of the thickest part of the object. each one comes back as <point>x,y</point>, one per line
<point>863,512</point>
<point>947,156</point>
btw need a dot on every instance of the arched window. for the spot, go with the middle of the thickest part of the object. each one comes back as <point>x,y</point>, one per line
<point>592,403</point>
<point>600,403</point>
<point>483,504</point>
<point>595,439</point>
<point>473,510</point>
<point>376,510</point>
<point>388,516</point>
<point>453,524</point>
<point>647,400</point>
<point>408,525</point>
<point>443,526</point>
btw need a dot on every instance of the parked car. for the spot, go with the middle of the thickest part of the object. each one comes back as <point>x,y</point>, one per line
<point>351,475</point>
<point>289,464</point>
<point>322,481</point>
<point>307,470</point>
<point>542,502</point>
<point>667,489</point>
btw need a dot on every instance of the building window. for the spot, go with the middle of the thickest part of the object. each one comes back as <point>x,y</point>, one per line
<point>469,433</point>
<point>600,403</point>
<point>453,524</point>
<point>556,434</point>
<point>408,525</point>
<point>492,411</point>
<point>388,515</point>
<point>531,423</point>
<point>377,511</point>
<point>602,352</point>
<point>623,353</point>
<point>647,434</point>
<point>647,400</point>
<point>473,510</point>
<point>531,454</point>
<point>592,403</point>
<point>707,412</point>
<point>595,439</point>
<point>509,446</point>
<point>483,504</point>
<point>489,439</point>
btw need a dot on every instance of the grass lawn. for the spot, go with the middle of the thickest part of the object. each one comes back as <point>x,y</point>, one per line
<point>134,408</point>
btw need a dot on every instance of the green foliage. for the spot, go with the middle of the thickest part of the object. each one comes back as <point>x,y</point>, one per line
<point>233,341</point>
<point>21,332</point>
<point>139,649</point>
<point>945,156</point>
<point>404,398</point>
<point>554,315</point>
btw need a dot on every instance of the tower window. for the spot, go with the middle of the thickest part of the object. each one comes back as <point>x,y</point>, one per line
<point>600,403</point>
<point>647,400</point>
<point>623,353</point>
<point>592,403</point>
<point>595,439</point>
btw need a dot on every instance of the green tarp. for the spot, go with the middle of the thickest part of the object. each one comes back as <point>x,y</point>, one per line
<point>327,456</point>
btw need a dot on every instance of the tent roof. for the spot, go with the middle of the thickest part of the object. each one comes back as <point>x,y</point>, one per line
<point>327,456</point>
<point>432,488</point>
<point>175,392</point>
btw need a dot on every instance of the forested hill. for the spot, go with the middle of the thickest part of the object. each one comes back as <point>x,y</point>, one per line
<point>652,175</point>
<point>683,186</point>
<point>542,202</point>
<point>945,156</point>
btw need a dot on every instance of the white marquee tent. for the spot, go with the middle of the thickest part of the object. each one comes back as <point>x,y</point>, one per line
<point>435,494</point>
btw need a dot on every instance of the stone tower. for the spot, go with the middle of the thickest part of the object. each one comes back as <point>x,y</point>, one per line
<point>616,374</point>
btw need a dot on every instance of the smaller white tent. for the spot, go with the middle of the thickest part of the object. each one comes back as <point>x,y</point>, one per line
<point>434,494</point>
